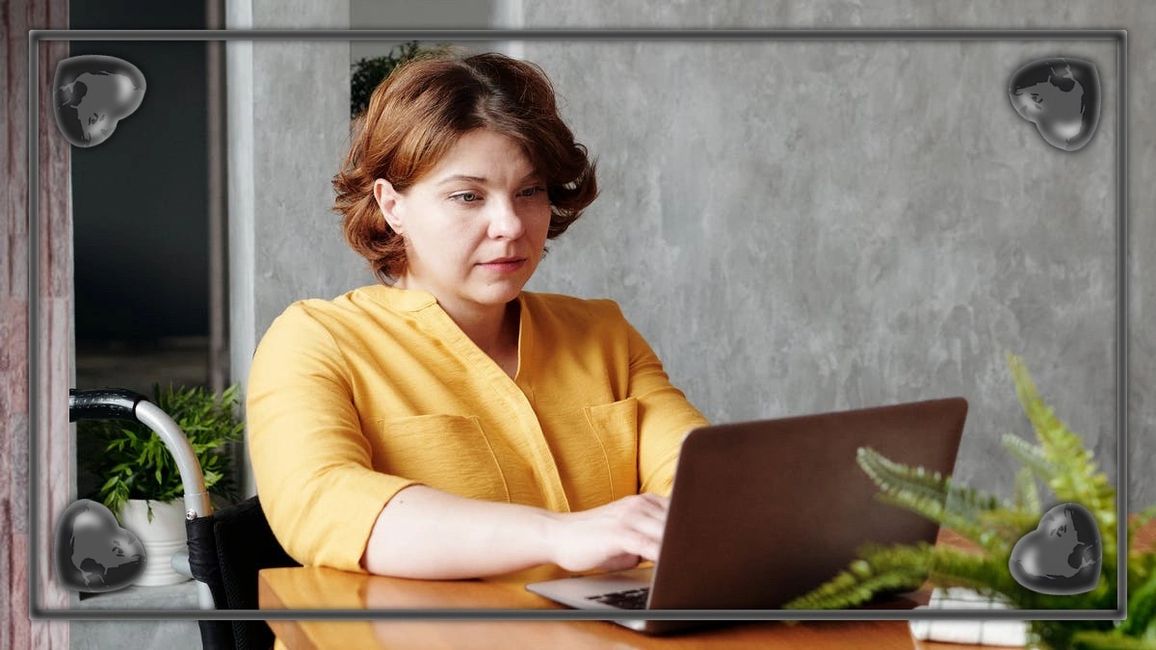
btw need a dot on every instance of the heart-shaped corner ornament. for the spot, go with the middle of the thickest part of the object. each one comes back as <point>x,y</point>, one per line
<point>1061,97</point>
<point>1062,556</point>
<point>93,94</point>
<point>93,553</point>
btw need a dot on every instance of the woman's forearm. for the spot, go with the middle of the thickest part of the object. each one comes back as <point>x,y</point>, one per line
<point>426,533</point>
<point>430,534</point>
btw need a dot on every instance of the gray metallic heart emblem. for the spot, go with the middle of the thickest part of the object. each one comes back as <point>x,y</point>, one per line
<point>1061,97</point>
<point>1062,556</point>
<point>93,553</point>
<point>92,94</point>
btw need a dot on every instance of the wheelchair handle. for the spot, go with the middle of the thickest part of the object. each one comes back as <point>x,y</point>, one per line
<point>122,404</point>
<point>103,404</point>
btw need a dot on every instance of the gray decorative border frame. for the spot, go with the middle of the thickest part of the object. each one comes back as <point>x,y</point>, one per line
<point>1119,36</point>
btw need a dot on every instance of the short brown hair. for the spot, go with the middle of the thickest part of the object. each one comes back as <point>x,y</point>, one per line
<point>418,113</point>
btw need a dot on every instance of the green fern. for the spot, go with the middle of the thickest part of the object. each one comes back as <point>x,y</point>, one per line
<point>1027,493</point>
<point>1141,610</point>
<point>1010,524</point>
<point>880,569</point>
<point>1031,456</point>
<point>983,573</point>
<point>1077,479</point>
<point>1059,461</point>
<point>950,504</point>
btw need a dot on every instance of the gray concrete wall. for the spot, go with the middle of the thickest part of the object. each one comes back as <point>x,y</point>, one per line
<point>428,14</point>
<point>799,227</point>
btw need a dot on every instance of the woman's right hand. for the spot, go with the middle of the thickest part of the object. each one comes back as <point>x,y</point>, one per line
<point>612,537</point>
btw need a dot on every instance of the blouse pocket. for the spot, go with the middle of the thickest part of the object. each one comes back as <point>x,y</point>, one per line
<point>615,426</point>
<point>446,452</point>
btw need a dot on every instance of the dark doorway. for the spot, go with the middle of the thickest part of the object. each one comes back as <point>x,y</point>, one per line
<point>142,206</point>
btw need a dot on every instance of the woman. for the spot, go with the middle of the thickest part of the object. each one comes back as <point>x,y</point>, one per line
<point>444,423</point>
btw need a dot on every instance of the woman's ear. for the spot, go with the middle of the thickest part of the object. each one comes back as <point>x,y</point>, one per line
<point>388,200</point>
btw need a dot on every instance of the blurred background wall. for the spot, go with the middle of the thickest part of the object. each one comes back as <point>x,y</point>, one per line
<point>801,227</point>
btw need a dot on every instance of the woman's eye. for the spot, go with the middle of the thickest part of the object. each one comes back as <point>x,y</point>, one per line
<point>532,191</point>
<point>466,197</point>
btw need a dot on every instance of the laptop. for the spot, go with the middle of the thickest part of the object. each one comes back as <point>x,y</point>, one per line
<point>762,512</point>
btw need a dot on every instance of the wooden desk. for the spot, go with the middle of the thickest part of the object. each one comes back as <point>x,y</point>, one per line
<point>313,587</point>
<point>319,588</point>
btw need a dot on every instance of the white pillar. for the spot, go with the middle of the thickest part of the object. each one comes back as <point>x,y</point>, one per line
<point>288,131</point>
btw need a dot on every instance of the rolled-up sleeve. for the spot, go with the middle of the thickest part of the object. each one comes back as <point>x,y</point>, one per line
<point>665,415</point>
<point>311,461</point>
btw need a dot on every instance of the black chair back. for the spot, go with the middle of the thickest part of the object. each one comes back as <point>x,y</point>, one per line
<point>226,550</point>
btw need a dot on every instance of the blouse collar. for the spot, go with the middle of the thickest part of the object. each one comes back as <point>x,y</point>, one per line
<point>398,299</point>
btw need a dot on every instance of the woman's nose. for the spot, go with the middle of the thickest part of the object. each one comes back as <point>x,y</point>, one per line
<point>505,222</point>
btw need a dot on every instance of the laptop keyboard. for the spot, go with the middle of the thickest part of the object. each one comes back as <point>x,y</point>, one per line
<point>629,599</point>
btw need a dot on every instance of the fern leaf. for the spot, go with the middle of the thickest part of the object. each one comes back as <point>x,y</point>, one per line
<point>1027,493</point>
<point>1031,456</point>
<point>894,477</point>
<point>987,575</point>
<point>1077,477</point>
<point>1141,609</point>
<point>989,539</point>
<point>931,495</point>
<point>881,569</point>
<point>844,594</point>
<point>1010,524</point>
<point>915,558</point>
<point>1043,419</point>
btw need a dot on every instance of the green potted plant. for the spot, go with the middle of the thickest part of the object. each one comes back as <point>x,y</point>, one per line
<point>141,483</point>
<point>1060,461</point>
<point>368,73</point>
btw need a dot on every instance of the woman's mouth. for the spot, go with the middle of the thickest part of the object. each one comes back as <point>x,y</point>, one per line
<point>504,265</point>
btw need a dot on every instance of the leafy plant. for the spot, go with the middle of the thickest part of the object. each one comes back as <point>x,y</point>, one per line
<point>137,465</point>
<point>1059,460</point>
<point>369,73</point>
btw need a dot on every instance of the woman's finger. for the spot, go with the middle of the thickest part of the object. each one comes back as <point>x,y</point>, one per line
<point>650,525</point>
<point>656,502</point>
<point>644,546</point>
<point>647,503</point>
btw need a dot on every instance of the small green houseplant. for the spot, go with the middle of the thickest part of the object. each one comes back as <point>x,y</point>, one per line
<point>135,464</point>
<point>368,73</point>
<point>141,482</point>
<point>1068,469</point>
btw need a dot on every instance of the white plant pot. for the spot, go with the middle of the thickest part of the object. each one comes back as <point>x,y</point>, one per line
<point>162,537</point>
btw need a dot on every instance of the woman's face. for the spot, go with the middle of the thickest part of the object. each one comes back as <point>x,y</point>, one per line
<point>474,226</point>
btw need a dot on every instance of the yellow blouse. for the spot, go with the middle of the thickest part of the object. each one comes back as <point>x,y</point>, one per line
<point>353,399</point>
